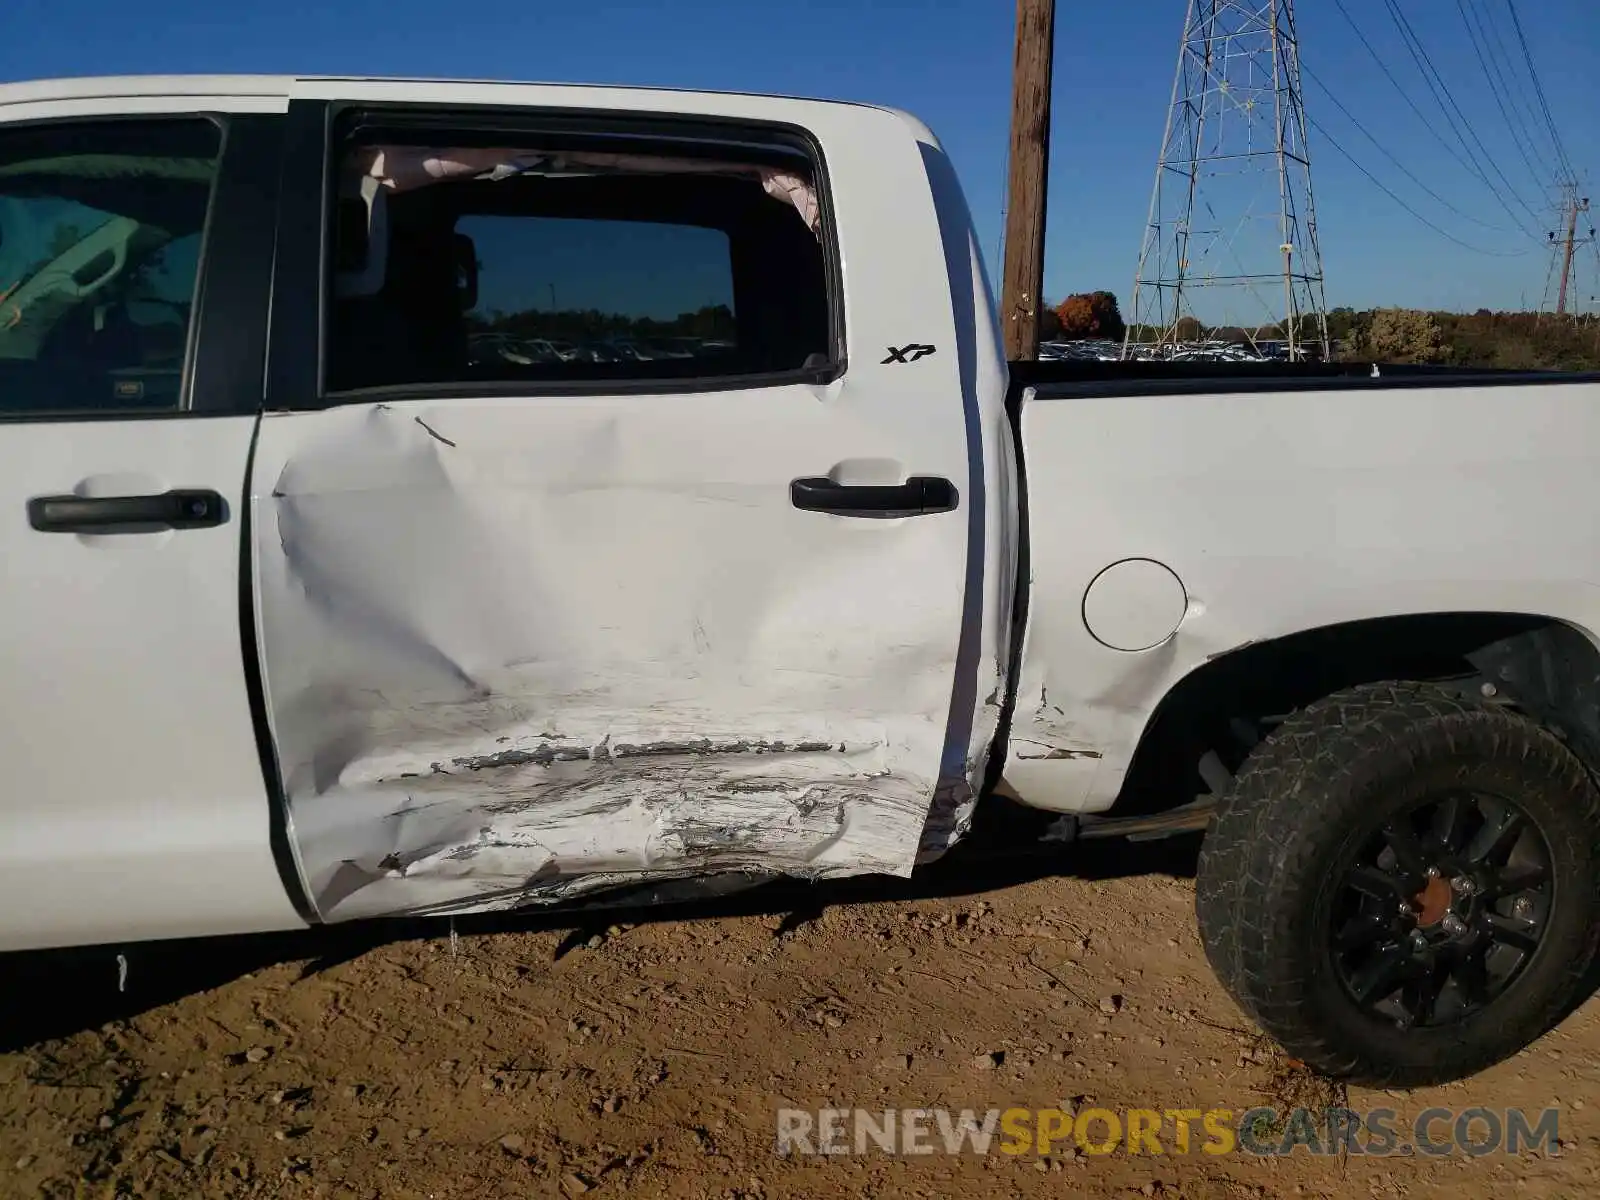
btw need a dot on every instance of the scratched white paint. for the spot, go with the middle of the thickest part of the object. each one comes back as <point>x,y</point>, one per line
<point>476,836</point>
<point>599,578</point>
<point>1283,511</point>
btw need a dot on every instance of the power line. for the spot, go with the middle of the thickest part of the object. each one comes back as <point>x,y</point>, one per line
<point>1471,166</point>
<point>1520,100</point>
<point>1452,111</point>
<point>1384,188</point>
<point>1446,100</point>
<point>1405,170</point>
<point>1538,91</point>
<point>1497,83</point>
<point>1515,90</point>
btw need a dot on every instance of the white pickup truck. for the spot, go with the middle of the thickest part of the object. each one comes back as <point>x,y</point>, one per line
<point>430,497</point>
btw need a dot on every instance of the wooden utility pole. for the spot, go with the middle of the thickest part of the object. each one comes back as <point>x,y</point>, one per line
<point>1022,283</point>
<point>1574,207</point>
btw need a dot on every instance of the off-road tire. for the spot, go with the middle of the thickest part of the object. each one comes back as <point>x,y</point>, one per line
<point>1309,795</point>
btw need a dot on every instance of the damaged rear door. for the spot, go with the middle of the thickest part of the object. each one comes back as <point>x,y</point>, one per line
<point>581,557</point>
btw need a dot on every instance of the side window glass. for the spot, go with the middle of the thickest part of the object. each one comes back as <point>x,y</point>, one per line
<point>101,228</point>
<point>576,290</point>
<point>557,262</point>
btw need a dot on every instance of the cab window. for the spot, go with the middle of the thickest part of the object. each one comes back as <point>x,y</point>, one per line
<point>468,266</point>
<point>101,230</point>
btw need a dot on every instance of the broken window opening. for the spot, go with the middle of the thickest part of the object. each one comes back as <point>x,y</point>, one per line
<point>460,265</point>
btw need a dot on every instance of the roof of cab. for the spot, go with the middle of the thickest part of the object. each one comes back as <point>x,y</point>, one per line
<point>100,87</point>
<point>89,95</point>
<point>106,86</point>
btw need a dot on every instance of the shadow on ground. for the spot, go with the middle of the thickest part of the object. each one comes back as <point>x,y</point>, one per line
<point>56,993</point>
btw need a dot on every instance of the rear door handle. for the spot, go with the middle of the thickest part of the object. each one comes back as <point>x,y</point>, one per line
<point>181,508</point>
<point>916,497</point>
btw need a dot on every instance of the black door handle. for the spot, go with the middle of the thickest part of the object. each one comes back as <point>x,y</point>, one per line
<point>181,508</point>
<point>917,496</point>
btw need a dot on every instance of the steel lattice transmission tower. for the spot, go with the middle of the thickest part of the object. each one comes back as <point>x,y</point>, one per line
<point>1232,233</point>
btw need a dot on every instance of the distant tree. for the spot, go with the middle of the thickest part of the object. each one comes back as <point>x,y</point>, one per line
<point>1351,343</point>
<point>1505,340</point>
<point>1188,329</point>
<point>1049,324</point>
<point>1074,318</point>
<point>711,321</point>
<point>1341,323</point>
<point>1405,335</point>
<point>1090,315</point>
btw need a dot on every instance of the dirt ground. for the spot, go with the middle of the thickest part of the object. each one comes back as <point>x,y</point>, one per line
<point>616,1052</point>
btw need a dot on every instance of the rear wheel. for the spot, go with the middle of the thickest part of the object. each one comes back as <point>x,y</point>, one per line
<point>1402,885</point>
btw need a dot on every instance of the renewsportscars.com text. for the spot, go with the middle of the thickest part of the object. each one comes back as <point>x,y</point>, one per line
<point>1261,1131</point>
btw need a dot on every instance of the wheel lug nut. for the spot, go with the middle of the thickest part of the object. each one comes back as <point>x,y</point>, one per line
<point>1453,925</point>
<point>1464,885</point>
<point>1522,907</point>
<point>1419,940</point>
<point>1406,910</point>
<point>1433,872</point>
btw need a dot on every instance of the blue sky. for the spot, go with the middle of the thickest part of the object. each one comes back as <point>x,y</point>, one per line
<point>949,61</point>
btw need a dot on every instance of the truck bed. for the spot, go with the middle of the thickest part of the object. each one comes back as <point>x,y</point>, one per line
<point>1161,534</point>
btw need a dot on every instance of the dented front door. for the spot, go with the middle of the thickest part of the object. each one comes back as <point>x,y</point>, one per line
<point>516,647</point>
